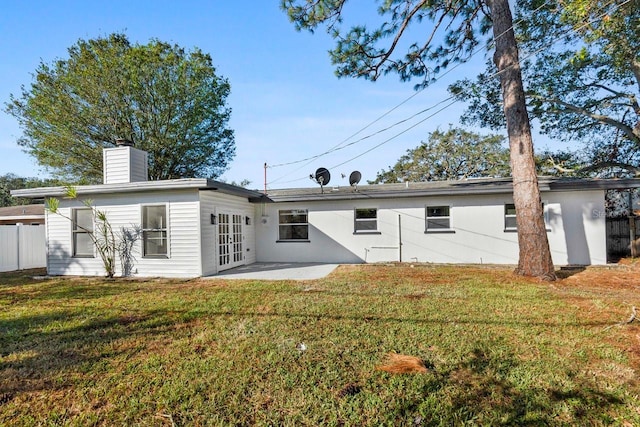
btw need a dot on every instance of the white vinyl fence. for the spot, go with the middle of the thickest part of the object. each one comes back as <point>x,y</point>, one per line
<point>22,247</point>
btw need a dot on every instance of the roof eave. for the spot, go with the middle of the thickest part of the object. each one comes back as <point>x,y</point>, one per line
<point>130,187</point>
<point>143,186</point>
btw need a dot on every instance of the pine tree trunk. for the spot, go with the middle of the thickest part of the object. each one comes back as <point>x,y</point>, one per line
<point>535,256</point>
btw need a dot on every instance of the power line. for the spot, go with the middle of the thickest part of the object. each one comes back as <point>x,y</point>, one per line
<point>337,146</point>
<point>488,78</point>
<point>498,73</point>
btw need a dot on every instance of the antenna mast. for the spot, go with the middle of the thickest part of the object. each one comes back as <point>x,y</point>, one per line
<point>265,177</point>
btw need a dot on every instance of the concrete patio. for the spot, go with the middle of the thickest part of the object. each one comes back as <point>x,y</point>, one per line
<point>278,271</point>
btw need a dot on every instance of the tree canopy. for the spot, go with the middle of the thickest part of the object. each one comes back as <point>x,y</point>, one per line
<point>584,88</point>
<point>11,181</point>
<point>169,102</point>
<point>450,155</point>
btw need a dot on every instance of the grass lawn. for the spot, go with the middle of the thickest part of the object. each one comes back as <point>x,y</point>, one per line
<point>499,349</point>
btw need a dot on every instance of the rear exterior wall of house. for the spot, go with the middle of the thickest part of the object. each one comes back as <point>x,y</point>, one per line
<point>439,229</point>
<point>178,233</point>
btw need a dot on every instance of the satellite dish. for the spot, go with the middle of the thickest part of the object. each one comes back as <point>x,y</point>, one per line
<point>355,178</point>
<point>321,176</point>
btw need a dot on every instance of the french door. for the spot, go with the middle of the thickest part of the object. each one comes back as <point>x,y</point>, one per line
<point>230,247</point>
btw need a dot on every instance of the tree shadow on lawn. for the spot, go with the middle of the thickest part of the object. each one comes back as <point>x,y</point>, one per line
<point>479,390</point>
<point>33,352</point>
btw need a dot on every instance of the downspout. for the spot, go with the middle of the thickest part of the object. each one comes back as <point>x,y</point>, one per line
<point>632,226</point>
<point>399,238</point>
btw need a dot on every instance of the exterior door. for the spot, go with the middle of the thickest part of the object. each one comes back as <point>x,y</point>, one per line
<point>230,246</point>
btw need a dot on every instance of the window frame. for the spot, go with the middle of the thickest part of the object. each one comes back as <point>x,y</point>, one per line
<point>78,230</point>
<point>357,221</point>
<point>545,213</point>
<point>436,230</point>
<point>292,212</point>
<point>506,215</point>
<point>144,231</point>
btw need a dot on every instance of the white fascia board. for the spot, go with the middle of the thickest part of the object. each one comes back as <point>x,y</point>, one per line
<point>172,184</point>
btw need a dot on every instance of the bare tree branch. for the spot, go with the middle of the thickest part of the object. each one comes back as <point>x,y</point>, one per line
<point>627,130</point>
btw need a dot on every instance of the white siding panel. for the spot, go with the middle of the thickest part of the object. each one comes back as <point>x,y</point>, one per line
<point>59,250</point>
<point>8,247</point>
<point>32,246</point>
<point>576,236</point>
<point>124,164</point>
<point>124,213</point>
<point>212,202</point>
<point>22,247</point>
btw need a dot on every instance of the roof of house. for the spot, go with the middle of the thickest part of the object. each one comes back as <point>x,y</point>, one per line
<point>445,188</point>
<point>143,186</point>
<point>381,191</point>
<point>22,212</point>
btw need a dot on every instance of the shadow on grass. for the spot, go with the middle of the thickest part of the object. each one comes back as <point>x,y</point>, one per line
<point>482,390</point>
<point>569,271</point>
<point>35,349</point>
<point>19,277</point>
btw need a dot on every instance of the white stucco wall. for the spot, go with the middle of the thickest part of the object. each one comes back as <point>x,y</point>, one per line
<point>576,236</point>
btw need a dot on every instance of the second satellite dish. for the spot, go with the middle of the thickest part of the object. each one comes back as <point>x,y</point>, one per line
<point>355,178</point>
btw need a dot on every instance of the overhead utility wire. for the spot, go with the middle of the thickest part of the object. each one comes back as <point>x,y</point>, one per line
<point>336,147</point>
<point>447,106</point>
<point>396,135</point>
<point>488,78</point>
<point>340,146</point>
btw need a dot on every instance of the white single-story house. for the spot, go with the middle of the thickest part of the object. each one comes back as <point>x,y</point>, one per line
<point>199,227</point>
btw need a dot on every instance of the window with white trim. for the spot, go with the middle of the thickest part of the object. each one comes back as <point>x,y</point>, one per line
<point>438,218</point>
<point>81,231</point>
<point>366,220</point>
<point>510,223</point>
<point>293,225</point>
<point>155,233</point>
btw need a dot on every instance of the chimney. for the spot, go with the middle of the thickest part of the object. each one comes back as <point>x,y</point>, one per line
<point>124,163</point>
<point>122,142</point>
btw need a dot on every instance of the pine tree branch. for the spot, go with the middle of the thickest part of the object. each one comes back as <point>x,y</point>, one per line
<point>627,130</point>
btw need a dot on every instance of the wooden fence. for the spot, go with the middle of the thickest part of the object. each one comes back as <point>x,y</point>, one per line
<point>619,238</point>
<point>22,247</point>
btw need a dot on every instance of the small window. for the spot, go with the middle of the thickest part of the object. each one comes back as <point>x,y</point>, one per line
<point>293,225</point>
<point>154,231</point>
<point>510,223</point>
<point>82,231</point>
<point>438,218</point>
<point>366,220</point>
<point>510,217</point>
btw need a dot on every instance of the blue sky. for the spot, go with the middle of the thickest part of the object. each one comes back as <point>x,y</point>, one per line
<point>287,103</point>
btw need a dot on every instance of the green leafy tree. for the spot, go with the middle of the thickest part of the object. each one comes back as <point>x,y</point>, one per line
<point>169,102</point>
<point>448,32</point>
<point>454,154</point>
<point>11,181</point>
<point>584,89</point>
